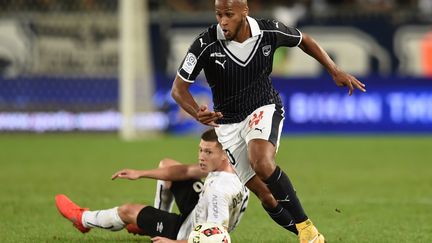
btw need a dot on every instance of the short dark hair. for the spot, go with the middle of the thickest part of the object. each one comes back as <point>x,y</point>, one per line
<point>209,136</point>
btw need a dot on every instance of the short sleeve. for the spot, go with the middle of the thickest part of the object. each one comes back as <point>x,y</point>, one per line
<point>287,36</point>
<point>194,60</point>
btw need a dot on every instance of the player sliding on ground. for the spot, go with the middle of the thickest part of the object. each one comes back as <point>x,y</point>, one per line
<point>222,192</point>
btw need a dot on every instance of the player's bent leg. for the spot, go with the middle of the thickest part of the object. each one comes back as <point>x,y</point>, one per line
<point>280,215</point>
<point>277,181</point>
<point>280,186</point>
<point>71,211</point>
<point>164,199</point>
<point>155,222</point>
<point>257,186</point>
<point>128,213</point>
<point>261,155</point>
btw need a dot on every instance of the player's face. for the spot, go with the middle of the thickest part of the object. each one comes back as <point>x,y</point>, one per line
<point>211,156</point>
<point>231,15</point>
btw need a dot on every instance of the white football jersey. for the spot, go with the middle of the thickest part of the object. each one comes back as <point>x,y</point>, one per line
<point>223,200</point>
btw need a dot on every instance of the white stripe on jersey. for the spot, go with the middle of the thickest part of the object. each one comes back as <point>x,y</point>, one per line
<point>222,200</point>
<point>283,33</point>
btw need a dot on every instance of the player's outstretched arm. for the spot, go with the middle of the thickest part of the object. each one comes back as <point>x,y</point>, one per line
<point>181,94</point>
<point>171,173</point>
<point>341,78</point>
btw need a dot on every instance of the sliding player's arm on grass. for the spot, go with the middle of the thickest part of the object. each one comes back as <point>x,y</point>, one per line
<point>177,172</point>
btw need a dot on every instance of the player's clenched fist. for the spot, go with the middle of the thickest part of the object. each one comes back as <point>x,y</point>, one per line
<point>207,117</point>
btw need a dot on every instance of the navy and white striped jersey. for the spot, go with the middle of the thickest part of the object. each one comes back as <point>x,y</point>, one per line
<point>239,73</point>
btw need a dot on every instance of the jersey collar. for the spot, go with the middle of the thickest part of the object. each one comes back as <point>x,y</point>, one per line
<point>253,24</point>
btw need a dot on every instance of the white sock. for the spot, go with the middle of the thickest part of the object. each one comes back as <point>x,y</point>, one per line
<point>164,199</point>
<point>104,219</point>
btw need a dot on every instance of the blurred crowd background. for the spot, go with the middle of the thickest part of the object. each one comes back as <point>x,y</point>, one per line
<point>353,6</point>
<point>63,56</point>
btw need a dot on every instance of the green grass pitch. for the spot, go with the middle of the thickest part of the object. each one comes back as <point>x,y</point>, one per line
<point>355,189</point>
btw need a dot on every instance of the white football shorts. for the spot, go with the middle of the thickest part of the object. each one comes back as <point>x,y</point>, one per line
<point>263,123</point>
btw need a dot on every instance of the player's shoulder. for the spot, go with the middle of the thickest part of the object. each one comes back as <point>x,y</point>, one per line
<point>226,180</point>
<point>207,37</point>
<point>268,24</point>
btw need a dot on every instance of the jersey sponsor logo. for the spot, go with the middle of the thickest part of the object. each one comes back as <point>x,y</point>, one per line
<point>189,63</point>
<point>256,118</point>
<point>266,50</point>
<point>221,63</point>
<point>159,227</point>
<point>202,42</point>
<point>217,54</point>
<point>215,208</point>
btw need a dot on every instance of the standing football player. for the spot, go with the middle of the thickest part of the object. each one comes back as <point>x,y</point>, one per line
<point>237,56</point>
<point>222,198</point>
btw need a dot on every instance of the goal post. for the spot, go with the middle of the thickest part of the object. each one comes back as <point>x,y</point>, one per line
<point>135,67</point>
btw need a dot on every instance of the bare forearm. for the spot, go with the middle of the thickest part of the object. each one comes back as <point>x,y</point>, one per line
<point>166,174</point>
<point>186,102</point>
<point>173,173</point>
<point>180,93</point>
<point>311,47</point>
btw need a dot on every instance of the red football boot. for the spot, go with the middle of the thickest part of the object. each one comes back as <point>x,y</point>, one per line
<point>71,211</point>
<point>134,229</point>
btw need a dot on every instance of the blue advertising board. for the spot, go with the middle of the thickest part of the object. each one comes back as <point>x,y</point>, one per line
<point>391,104</point>
<point>312,105</point>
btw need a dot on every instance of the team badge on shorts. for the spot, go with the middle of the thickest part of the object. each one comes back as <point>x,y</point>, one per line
<point>256,118</point>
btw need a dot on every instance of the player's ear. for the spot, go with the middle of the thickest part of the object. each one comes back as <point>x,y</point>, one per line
<point>246,11</point>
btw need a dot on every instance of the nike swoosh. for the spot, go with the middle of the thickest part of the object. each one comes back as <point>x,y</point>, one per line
<point>284,200</point>
<point>290,224</point>
<point>98,226</point>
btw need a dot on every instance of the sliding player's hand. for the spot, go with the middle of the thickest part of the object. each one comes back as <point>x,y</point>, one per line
<point>126,174</point>
<point>343,79</point>
<point>159,239</point>
<point>207,117</point>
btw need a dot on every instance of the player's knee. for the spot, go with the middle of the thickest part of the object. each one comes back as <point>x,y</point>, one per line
<point>124,212</point>
<point>129,212</point>
<point>263,167</point>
